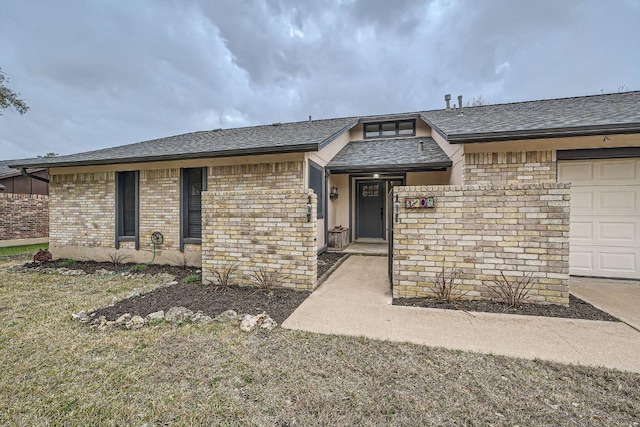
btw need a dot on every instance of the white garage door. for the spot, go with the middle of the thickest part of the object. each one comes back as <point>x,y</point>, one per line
<point>605,216</point>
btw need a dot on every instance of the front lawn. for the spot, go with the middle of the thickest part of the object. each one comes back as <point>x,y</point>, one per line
<point>24,249</point>
<point>56,371</point>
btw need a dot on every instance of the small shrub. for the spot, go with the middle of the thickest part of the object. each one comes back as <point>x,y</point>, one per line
<point>225,275</point>
<point>118,257</point>
<point>139,267</point>
<point>513,292</point>
<point>182,261</point>
<point>65,262</point>
<point>264,278</point>
<point>446,285</point>
<point>191,278</point>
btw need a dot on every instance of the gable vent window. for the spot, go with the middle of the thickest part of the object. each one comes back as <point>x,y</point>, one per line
<point>127,207</point>
<point>194,182</point>
<point>390,129</point>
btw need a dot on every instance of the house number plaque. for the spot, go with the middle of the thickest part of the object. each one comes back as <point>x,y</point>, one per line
<point>428,202</point>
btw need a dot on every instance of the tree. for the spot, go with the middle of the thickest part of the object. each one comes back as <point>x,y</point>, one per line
<point>9,99</point>
<point>52,154</point>
<point>476,102</point>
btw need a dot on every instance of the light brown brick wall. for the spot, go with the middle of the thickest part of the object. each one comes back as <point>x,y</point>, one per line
<point>482,231</point>
<point>256,177</point>
<point>82,209</point>
<point>160,207</point>
<point>515,167</point>
<point>23,216</point>
<point>257,229</point>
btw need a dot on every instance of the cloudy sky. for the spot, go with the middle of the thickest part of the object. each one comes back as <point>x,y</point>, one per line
<point>100,73</point>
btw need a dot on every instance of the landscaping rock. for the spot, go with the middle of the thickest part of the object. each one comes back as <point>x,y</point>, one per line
<point>81,316</point>
<point>68,272</point>
<point>200,317</point>
<point>178,314</point>
<point>137,322</point>
<point>156,315</point>
<point>249,322</point>
<point>123,320</point>
<point>133,293</point>
<point>103,272</point>
<point>227,316</point>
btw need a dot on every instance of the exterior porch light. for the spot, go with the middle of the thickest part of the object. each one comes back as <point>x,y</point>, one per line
<point>333,194</point>
<point>376,176</point>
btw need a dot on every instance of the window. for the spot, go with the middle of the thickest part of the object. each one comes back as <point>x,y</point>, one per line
<point>127,202</point>
<point>316,183</point>
<point>194,182</point>
<point>390,129</point>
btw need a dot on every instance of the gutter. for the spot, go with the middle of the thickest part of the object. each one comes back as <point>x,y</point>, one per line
<point>391,168</point>
<point>24,172</point>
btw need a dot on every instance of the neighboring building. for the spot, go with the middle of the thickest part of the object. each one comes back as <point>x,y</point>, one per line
<point>12,181</point>
<point>196,188</point>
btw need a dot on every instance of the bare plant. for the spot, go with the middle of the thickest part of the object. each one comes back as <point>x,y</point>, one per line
<point>267,279</point>
<point>118,257</point>
<point>447,285</point>
<point>514,291</point>
<point>225,275</point>
<point>182,261</point>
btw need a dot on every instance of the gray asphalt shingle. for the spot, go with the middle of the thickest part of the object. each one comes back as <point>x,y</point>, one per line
<point>619,109</point>
<point>387,153</point>
<point>597,110</point>
<point>258,139</point>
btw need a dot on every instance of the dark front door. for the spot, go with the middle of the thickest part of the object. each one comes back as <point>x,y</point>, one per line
<point>370,209</point>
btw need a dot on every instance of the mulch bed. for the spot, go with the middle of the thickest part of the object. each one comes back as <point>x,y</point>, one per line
<point>326,260</point>
<point>90,267</point>
<point>577,309</point>
<point>211,300</point>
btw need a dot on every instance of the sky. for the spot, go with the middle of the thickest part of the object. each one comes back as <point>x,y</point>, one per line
<point>103,73</point>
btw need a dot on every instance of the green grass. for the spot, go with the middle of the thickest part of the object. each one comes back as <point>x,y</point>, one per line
<point>24,249</point>
<point>139,267</point>
<point>191,278</point>
<point>60,373</point>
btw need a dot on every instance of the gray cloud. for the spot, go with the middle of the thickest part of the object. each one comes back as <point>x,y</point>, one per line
<point>98,73</point>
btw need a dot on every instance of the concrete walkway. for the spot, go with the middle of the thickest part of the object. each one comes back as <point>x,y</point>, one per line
<point>356,299</point>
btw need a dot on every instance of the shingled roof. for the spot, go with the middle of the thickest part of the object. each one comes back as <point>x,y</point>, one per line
<point>267,139</point>
<point>406,154</point>
<point>584,115</point>
<point>6,171</point>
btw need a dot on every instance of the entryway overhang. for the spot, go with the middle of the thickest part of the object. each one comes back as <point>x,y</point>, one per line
<point>394,155</point>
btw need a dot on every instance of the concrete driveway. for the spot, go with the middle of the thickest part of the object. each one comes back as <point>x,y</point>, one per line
<point>620,298</point>
<point>356,300</point>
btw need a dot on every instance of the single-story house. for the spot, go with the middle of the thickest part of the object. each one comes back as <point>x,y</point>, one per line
<point>242,195</point>
<point>12,181</point>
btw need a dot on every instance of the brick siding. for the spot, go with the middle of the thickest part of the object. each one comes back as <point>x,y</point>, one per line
<point>482,231</point>
<point>261,229</point>
<point>23,216</point>
<point>517,167</point>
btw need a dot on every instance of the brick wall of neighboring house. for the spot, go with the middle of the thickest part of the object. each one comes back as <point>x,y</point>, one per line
<point>482,231</point>
<point>267,228</point>
<point>23,216</point>
<point>516,167</point>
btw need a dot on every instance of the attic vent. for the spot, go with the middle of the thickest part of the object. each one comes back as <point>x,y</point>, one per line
<point>276,124</point>
<point>217,130</point>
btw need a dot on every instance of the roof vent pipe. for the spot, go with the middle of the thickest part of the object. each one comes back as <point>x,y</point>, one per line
<point>447,98</point>
<point>460,103</point>
<point>309,118</point>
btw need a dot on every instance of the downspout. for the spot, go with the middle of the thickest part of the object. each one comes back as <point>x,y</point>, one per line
<point>24,172</point>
